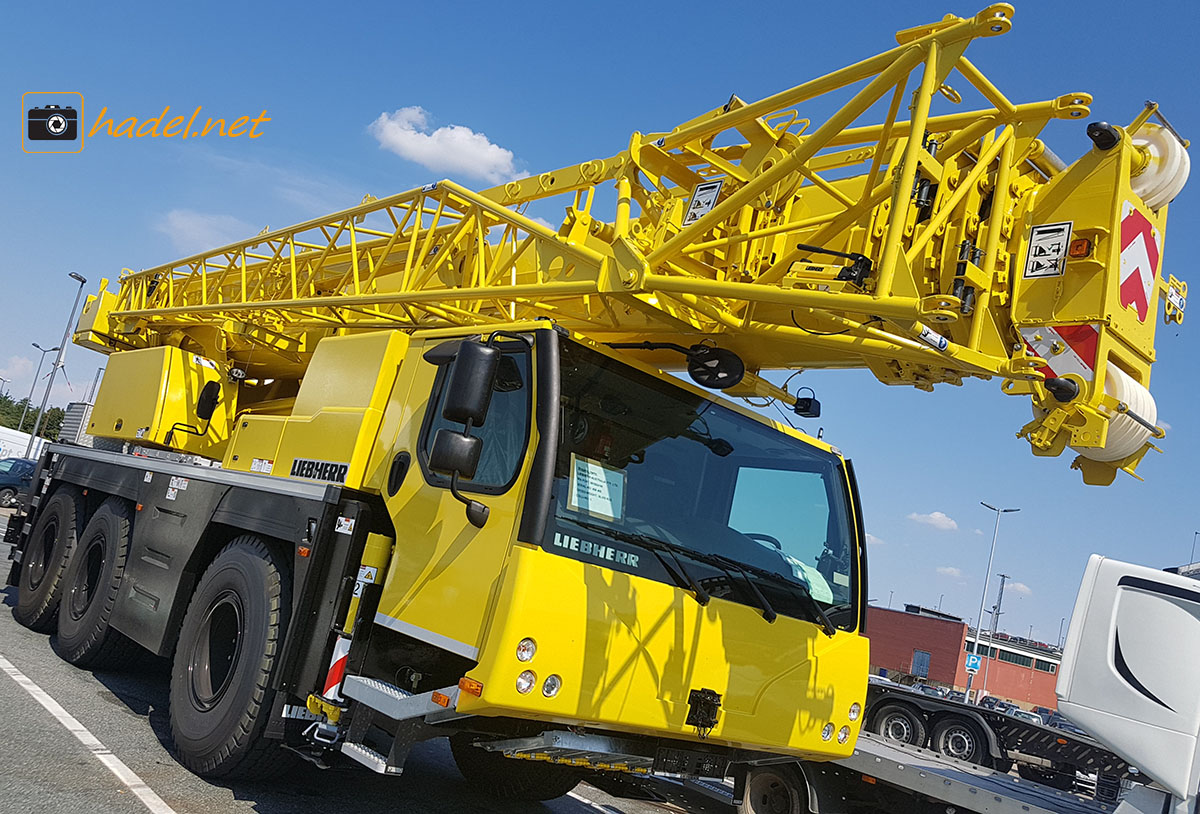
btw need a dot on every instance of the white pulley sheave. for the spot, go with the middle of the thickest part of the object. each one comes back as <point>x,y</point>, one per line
<point>1167,168</point>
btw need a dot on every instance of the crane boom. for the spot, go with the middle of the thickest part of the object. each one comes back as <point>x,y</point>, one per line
<point>928,247</point>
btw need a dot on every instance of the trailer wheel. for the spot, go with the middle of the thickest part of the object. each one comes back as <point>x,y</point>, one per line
<point>91,582</point>
<point>900,723</point>
<point>228,647</point>
<point>44,558</point>
<point>776,789</point>
<point>510,779</point>
<point>961,739</point>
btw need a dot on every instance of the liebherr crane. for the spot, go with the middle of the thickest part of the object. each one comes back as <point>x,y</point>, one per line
<point>647,577</point>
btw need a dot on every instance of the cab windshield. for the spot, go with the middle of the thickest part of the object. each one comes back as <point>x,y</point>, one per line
<point>654,480</point>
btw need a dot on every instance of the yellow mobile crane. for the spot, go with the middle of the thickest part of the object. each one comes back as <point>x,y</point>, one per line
<point>647,577</point>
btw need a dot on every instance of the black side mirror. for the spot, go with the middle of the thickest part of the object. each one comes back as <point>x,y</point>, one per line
<point>455,453</point>
<point>472,379</point>
<point>210,395</point>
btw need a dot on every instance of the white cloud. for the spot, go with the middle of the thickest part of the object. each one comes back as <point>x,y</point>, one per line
<point>310,191</point>
<point>949,571</point>
<point>192,232</point>
<point>873,540</point>
<point>1020,587</point>
<point>936,519</point>
<point>979,532</point>
<point>452,148</point>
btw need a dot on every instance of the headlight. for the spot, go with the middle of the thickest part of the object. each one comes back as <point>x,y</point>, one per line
<point>526,681</point>
<point>526,649</point>
<point>855,711</point>
<point>843,734</point>
<point>827,732</point>
<point>551,686</point>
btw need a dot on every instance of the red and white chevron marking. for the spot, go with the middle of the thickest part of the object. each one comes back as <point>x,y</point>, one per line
<point>1141,248</point>
<point>337,670</point>
<point>1076,346</point>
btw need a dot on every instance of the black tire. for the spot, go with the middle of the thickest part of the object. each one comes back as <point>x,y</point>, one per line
<point>961,739</point>
<point>228,647</point>
<point>509,779</point>
<point>44,558</point>
<point>8,497</point>
<point>774,789</point>
<point>900,723</point>
<point>90,584</point>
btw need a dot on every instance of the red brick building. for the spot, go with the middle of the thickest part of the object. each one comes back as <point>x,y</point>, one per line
<point>919,644</point>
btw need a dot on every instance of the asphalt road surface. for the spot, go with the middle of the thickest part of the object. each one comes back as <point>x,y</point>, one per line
<point>46,767</point>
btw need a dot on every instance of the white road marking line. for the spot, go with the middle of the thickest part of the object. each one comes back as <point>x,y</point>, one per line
<point>576,796</point>
<point>101,752</point>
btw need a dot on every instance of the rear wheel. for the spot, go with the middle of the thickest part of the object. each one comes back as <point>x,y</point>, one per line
<point>961,739</point>
<point>228,647</point>
<point>900,723</point>
<point>8,497</point>
<point>44,558</point>
<point>510,779</point>
<point>777,789</point>
<point>91,582</point>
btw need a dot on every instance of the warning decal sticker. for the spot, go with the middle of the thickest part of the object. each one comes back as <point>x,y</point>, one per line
<point>1047,249</point>
<point>704,198</point>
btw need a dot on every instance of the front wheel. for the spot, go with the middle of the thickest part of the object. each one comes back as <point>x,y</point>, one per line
<point>228,647</point>
<point>899,722</point>
<point>962,740</point>
<point>510,779</point>
<point>775,789</point>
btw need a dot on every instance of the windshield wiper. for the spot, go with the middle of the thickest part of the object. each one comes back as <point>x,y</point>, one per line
<point>819,616</point>
<point>655,547</point>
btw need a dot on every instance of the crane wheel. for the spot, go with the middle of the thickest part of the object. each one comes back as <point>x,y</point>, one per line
<point>228,647</point>
<point>899,722</point>
<point>960,739</point>
<point>775,789</point>
<point>39,584</point>
<point>90,584</point>
<point>507,778</point>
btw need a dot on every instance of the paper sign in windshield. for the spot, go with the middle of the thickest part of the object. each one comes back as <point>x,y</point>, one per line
<point>596,489</point>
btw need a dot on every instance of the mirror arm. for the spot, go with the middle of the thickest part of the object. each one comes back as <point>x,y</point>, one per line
<point>477,513</point>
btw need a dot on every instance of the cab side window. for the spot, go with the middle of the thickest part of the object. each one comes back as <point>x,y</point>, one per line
<point>505,431</point>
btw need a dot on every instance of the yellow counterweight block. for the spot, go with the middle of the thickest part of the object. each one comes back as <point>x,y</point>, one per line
<point>623,653</point>
<point>1086,297</point>
<point>150,397</point>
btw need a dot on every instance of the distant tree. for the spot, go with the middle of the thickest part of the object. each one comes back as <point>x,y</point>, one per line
<point>10,416</point>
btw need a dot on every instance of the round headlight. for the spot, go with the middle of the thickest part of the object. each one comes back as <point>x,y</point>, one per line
<point>526,648</point>
<point>855,711</point>
<point>526,681</point>
<point>827,732</point>
<point>843,734</point>
<point>551,685</point>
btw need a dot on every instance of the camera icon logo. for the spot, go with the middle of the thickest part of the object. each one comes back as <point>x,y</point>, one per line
<point>52,122</point>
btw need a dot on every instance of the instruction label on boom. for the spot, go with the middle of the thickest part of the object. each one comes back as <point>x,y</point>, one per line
<point>1047,249</point>
<point>704,198</point>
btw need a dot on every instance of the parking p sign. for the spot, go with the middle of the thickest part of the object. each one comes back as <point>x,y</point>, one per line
<point>973,662</point>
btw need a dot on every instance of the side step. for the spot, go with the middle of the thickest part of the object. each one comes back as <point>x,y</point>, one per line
<point>412,713</point>
<point>574,749</point>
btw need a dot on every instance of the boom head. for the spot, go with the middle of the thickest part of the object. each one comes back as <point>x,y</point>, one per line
<point>936,244</point>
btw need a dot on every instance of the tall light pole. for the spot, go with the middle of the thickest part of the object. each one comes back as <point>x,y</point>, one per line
<point>33,386</point>
<point>62,347</point>
<point>1192,558</point>
<point>987,666</point>
<point>987,575</point>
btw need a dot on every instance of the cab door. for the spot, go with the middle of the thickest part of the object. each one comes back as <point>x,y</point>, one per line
<point>444,570</point>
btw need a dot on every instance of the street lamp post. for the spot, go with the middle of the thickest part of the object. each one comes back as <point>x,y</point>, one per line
<point>57,361</point>
<point>1192,558</point>
<point>32,387</point>
<point>986,578</point>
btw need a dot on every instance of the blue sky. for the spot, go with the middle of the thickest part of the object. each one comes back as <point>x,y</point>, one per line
<point>551,84</point>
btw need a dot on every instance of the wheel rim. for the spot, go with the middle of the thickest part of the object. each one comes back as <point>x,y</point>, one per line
<point>898,728</point>
<point>768,793</point>
<point>39,565</point>
<point>215,655</point>
<point>87,578</point>
<point>958,742</point>
<point>7,497</point>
